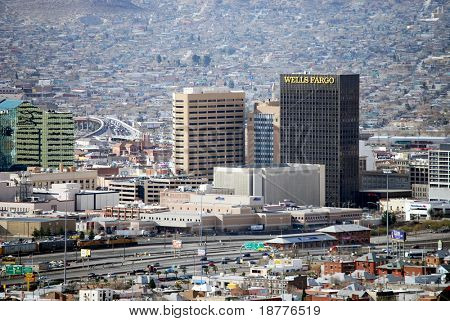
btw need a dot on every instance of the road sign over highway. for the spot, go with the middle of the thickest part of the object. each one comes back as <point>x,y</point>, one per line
<point>256,246</point>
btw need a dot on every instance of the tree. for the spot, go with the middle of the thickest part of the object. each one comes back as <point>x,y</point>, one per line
<point>435,215</point>
<point>158,273</point>
<point>166,273</point>
<point>206,60</point>
<point>392,219</point>
<point>41,232</point>
<point>176,274</point>
<point>35,233</point>
<point>48,232</point>
<point>82,236</point>
<point>61,231</point>
<point>233,270</point>
<point>183,269</point>
<point>206,269</point>
<point>304,295</point>
<point>196,59</point>
<point>91,235</point>
<point>152,284</point>
<point>215,269</point>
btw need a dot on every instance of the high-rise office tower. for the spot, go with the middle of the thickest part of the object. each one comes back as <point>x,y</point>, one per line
<point>42,138</point>
<point>320,125</point>
<point>31,136</point>
<point>208,130</point>
<point>263,134</point>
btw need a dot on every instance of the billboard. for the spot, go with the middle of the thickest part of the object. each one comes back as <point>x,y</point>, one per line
<point>85,253</point>
<point>398,235</point>
<point>177,244</point>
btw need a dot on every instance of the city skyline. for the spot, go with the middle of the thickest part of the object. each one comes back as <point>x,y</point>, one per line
<point>208,151</point>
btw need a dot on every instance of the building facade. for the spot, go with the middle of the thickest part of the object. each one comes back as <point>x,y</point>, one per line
<point>148,190</point>
<point>208,130</point>
<point>303,184</point>
<point>348,233</point>
<point>418,172</point>
<point>44,138</point>
<point>263,134</point>
<point>439,173</point>
<point>96,295</point>
<point>312,218</point>
<point>25,226</point>
<point>320,125</point>
<point>45,179</point>
<point>8,124</point>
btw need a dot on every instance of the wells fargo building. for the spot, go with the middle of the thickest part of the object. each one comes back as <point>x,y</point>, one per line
<point>320,125</point>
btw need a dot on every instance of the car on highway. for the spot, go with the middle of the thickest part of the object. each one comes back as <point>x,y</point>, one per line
<point>203,258</point>
<point>211,264</point>
<point>246,255</point>
<point>156,264</point>
<point>252,262</point>
<point>92,275</point>
<point>151,268</point>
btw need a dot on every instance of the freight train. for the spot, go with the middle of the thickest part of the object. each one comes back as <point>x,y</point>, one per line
<point>49,246</point>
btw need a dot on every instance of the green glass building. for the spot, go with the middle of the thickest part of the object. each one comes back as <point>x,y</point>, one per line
<point>36,137</point>
<point>8,121</point>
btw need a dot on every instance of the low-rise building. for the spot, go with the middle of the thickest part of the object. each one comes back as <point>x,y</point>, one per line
<point>45,179</point>
<point>348,233</point>
<point>369,262</point>
<point>96,295</point>
<point>25,226</point>
<point>303,241</point>
<point>170,197</point>
<point>332,267</point>
<point>148,190</point>
<point>312,218</point>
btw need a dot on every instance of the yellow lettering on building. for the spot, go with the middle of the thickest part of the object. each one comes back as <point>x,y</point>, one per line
<point>309,80</point>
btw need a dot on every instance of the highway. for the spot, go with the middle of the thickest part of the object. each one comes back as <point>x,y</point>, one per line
<point>119,261</point>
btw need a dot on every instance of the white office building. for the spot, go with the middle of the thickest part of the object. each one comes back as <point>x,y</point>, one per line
<point>303,184</point>
<point>439,173</point>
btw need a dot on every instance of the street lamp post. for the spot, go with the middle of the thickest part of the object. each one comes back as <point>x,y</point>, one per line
<point>387,172</point>
<point>65,240</point>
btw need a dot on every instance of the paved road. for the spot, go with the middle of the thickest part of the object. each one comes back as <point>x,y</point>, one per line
<point>121,261</point>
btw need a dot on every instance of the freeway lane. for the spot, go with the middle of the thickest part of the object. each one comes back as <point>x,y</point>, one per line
<point>122,252</point>
<point>112,260</point>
